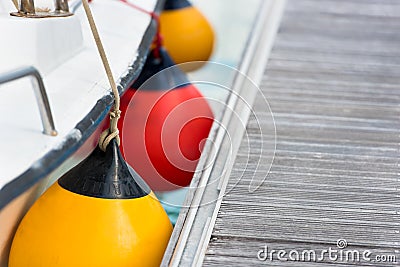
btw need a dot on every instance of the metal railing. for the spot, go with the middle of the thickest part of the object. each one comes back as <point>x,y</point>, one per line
<point>40,94</point>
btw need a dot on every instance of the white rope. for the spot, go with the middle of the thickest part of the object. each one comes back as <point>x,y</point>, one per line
<point>15,4</point>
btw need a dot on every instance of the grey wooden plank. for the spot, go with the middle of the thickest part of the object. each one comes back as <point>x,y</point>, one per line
<point>289,201</point>
<point>311,155</point>
<point>334,45</point>
<point>320,86</point>
<point>337,149</point>
<point>330,97</point>
<point>344,182</point>
<point>323,195</point>
<point>291,182</point>
<point>307,229</point>
<point>331,75</point>
<point>366,218</point>
<point>386,72</point>
<point>329,18</point>
<point>335,136</point>
<point>326,164</point>
<point>330,109</point>
<point>336,58</point>
<point>350,27</point>
<point>299,119</point>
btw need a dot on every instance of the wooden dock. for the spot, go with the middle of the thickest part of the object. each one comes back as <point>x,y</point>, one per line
<point>333,84</point>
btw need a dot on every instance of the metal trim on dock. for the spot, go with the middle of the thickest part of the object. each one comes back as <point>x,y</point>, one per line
<point>195,223</point>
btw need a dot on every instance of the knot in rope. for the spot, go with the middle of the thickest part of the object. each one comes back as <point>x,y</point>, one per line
<point>115,114</point>
<point>112,132</point>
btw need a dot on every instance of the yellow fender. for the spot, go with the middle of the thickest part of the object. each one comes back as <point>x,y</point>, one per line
<point>117,227</point>
<point>186,33</point>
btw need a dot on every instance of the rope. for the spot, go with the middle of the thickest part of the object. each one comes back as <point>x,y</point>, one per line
<point>158,40</point>
<point>15,4</point>
<point>112,132</point>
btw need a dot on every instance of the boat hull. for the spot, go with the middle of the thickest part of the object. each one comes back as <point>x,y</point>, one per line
<point>12,214</point>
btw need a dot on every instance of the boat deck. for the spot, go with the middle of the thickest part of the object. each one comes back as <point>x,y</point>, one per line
<point>332,82</point>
